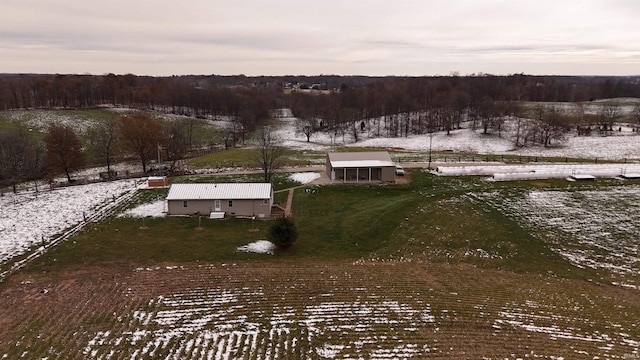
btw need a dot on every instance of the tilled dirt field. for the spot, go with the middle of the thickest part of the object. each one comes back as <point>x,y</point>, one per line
<point>278,309</point>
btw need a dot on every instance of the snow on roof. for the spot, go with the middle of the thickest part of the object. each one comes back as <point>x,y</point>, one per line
<point>583,177</point>
<point>360,159</point>
<point>361,163</point>
<point>224,191</point>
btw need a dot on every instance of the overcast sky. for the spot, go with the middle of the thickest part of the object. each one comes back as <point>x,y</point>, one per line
<point>305,37</point>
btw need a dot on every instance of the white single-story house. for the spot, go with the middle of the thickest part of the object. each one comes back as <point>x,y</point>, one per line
<point>215,200</point>
<point>369,166</point>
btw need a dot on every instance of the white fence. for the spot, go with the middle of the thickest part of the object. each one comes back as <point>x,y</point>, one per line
<point>534,172</point>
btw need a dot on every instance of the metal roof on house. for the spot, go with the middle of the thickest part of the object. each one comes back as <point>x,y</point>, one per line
<point>361,163</point>
<point>360,159</point>
<point>222,191</point>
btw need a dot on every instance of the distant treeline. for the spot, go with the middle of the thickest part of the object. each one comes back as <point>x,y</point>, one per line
<point>230,95</point>
<point>347,107</point>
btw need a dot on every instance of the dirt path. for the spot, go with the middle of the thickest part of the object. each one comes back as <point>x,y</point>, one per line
<point>287,209</point>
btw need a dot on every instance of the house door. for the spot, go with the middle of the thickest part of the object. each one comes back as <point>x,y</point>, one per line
<point>216,205</point>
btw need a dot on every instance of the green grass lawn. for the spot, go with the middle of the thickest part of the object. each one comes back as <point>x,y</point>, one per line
<point>434,263</point>
<point>246,157</point>
<point>433,219</point>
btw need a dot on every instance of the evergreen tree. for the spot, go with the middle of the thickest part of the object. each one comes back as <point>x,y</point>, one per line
<point>283,232</point>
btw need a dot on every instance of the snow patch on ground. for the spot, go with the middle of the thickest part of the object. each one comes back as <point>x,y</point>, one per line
<point>215,322</point>
<point>304,177</point>
<point>260,247</point>
<point>624,144</point>
<point>31,218</point>
<point>154,209</point>
<point>590,228</point>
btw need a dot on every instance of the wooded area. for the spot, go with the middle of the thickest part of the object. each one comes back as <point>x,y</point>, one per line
<point>229,95</point>
<point>337,105</point>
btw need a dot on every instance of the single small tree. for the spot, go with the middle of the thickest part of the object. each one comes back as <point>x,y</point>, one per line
<point>142,135</point>
<point>64,150</point>
<point>176,141</point>
<point>20,157</point>
<point>104,141</point>
<point>268,152</point>
<point>283,232</point>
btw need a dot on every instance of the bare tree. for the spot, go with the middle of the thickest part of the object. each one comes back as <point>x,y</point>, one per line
<point>583,126</point>
<point>20,157</point>
<point>176,140</point>
<point>64,150</point>
<point>142,135</point>
<point>635,115</point>
<point>307,126</point>
<point>268,151</point>
<point>306,113</point>
<point>608,115</point>
<point>554,126</point>
<point>104,140</point>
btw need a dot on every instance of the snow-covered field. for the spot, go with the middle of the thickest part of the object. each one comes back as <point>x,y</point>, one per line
<point>27,218</point>
<point>216,323</point>
<point>596,229</point>
<point>155,209</point>
<point>618,145</point>
<point>30,218</point>
<point>352,314</point>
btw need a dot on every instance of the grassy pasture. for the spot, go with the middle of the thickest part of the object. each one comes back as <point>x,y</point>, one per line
<point>279,181</point>
<point>246,158</point>
<point>435,268</point>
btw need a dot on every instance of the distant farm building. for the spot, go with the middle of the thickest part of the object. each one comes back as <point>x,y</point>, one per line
<point>216,200</point>
<point>157,181</point>
<point>544,171</point>
<point>360,167</point>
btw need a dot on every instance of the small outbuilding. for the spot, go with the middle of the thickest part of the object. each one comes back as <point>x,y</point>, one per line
<point>372,166</point>
<point>216,200</point>
<point>157,181</point>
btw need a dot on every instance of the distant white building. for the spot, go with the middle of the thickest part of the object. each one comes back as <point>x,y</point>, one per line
<point>361,167</point>
<point>215,199</point>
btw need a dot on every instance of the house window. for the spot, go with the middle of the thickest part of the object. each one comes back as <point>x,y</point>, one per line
<point>265,202</point>
<point>230,203</point>
<point>185,204</point>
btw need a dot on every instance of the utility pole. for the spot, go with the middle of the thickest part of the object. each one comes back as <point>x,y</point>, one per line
<point>160,172</point>
<point>430,140</point>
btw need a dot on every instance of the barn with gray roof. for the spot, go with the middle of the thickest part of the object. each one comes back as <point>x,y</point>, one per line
<point>356,167</point>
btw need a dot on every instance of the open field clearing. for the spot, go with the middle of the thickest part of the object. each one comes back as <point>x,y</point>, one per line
<point>33,219</point>
<point>595,229</point>
<point>312,310</point>
<point>431,267</point>
<point>450,268</point>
